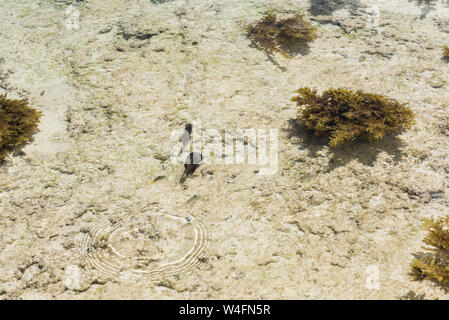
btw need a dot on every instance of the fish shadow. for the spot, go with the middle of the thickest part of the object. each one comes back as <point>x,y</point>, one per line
<point>327,7</point>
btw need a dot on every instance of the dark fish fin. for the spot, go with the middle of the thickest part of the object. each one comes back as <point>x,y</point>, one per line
<point>183,177</point>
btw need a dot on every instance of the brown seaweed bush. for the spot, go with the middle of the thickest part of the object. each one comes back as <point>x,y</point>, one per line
<point>345,115</point>
<point>17,122</point>
<point>434,264</point>
<point>274,35</point>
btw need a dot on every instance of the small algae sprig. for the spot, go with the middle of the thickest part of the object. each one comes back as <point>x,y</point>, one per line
<point>17,122</point>
<point>274,35</point>
<point>345,115</point>
<point>434,264</point>
<point>446,53</point>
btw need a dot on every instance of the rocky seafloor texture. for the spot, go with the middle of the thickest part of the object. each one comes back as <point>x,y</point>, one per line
<point>92,207</point>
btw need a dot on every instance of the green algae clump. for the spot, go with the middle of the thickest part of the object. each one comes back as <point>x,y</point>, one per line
<point>345,115</point>
<point>274,35</point>
<point>17,123</point>
<point>434,264</point>
<point>446,53</point>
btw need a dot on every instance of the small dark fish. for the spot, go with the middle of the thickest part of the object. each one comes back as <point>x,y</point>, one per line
<point>186,136</point>
<point>192,162</point>
<point>158,178</point>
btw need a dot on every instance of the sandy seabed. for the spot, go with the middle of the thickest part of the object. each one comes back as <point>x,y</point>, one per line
<point>92,208</point>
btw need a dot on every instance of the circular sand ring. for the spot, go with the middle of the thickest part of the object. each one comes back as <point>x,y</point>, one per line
<point>118,251</point>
